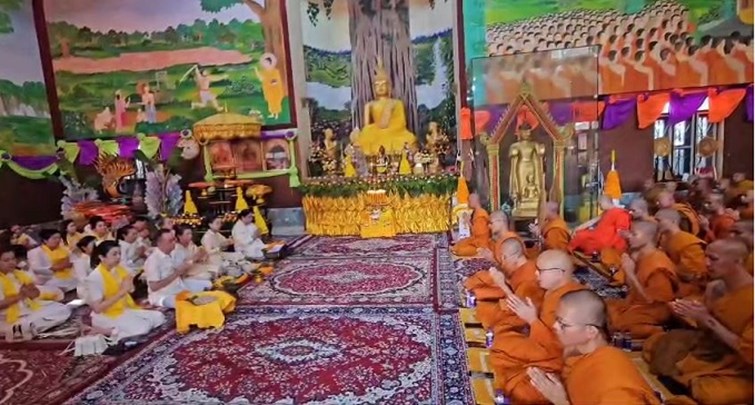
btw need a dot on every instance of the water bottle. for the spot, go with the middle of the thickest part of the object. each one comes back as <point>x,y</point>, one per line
<point>627,342</point>
<point>617,340</point>
<point>471,300</point>
<point>489,338</point>
<point>500,399</point>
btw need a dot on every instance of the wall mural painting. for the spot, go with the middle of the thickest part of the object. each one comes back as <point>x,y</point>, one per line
<point>155,66</point>
<point>25,125</point>
<point>643,45</point>
<point>411,38</point>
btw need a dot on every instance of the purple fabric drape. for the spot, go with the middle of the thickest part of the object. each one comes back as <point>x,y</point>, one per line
<point>34,162</point>
<point>684,107</point>
<point>128,146</point>
<point>562,112</point>
<point>496,112</point>
<point>277,135</point>
<point>748,103</point>
<point>88,152</point>
<point>618,112</point>
<point>168,142</point>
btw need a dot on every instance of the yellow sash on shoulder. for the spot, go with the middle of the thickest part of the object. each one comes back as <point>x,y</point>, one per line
<point>111,285</point>
<point>59,255</point>
<point>10,289</point>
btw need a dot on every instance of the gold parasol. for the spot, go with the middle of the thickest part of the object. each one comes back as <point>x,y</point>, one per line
<point>227,126</point>
<point>707,147</point>
<point>662,147</point>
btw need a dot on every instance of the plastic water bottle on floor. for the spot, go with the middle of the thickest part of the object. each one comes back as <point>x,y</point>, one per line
<point>489,338</point>
<point>500,399</point>
<point>626,342</point>
<point>471,300</point>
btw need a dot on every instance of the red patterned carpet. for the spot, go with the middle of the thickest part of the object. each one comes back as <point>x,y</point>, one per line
<point>352,247</point>
<point>293,355</point>
<point>44,376</point>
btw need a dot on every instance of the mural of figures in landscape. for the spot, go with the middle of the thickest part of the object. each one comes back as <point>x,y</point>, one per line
<point>643,45</point>
<point>411,38</point>
<point>25,125</point>
<point>154,66</point>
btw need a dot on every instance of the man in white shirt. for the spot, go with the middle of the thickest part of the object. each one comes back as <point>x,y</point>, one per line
<point>132,253</point>
<point>165,277</point>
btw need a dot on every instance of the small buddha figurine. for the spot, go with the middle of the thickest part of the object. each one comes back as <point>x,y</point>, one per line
<point>404,166</point>
<point>331,144</point>
<point>419,168</point>
<point>348,162</point>
<point>382,161</point>
<point>526,173</point>
<point>385,124</point>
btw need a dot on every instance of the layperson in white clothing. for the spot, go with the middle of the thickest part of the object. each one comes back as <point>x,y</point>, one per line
<point>246,236</point>
<point>109,287</point>
<point>165,277</point>
<point>99,229</point>
<point>51,262</point>
<point>187,249</point>
<point>81,258</point>
<point>132,252</point>
<point>20,302</point>
<point>215,243</point>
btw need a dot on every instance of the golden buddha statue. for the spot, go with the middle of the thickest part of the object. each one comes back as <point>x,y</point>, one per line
<point>526,178</point>
<point>384,119</point>
<point>331,144</point>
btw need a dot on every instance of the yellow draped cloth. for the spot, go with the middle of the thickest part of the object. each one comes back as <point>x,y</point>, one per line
<point>210,315</point>
<point>59,255</point>
<point>10,289</point>
<point>111,284</point>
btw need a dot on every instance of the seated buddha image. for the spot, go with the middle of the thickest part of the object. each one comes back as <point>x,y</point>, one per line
<point>385,119</point>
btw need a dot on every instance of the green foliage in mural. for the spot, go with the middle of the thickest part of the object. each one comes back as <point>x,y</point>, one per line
<point>6,7</point>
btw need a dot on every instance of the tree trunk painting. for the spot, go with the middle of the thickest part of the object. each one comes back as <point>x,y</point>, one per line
<point>379,29</point>
<point>272,29</point>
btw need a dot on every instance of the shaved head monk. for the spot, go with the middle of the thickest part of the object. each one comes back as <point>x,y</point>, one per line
<point>606,233</point>
<point>690,220</point>
<point>652,281</point>
<point>720,220</point>
<point>686,250</point>
<point>480,230</point>
<point>715,361</point>
<point>553,232</point>
<point>743,230</point>
<point>598,373</point>
<point>640,211</point>
<point>519,276</point>
<point>499,228</point>
<point>513,352</point>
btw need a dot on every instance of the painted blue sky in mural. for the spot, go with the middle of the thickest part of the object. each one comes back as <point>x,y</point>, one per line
<point>20,51</point>
<point>146,15</point>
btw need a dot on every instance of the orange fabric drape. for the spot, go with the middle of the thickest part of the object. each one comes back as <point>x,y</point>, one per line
<point>588,111</point>
<point>465,126</point>
<point>722,105</point>
<point>650,108</point>
<point>524,115</point>
<point>481,120</point>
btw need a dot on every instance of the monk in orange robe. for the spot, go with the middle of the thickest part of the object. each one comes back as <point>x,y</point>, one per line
<point>738,187</point>
<point>480,230</point>
<point>686,250</point>
<point>640,211</point>
<point>747,211</point>
<point>690,220</point>
<point>518,276</point>
<point>743,230</point>
<point>715,361</point>
<point>513,352</point>
<point>720,221</point>
<point>596,373</point>
<point>606,233</point>
<point>553,232</point>
<point>481,284</point>
<point>652,283</point>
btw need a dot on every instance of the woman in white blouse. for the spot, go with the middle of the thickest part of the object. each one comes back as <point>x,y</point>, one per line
<point>186,249</point>
<point>215,243</point>
<point>81,258</point>
<point>246,236</point>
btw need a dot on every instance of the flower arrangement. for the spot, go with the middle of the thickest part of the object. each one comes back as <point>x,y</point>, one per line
<point>164,195</point>
<point>441,184</point>
<point>75,194</point>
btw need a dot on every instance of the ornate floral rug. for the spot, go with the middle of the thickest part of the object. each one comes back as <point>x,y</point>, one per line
<point>297,355</point>
<point>401,245</point>
<point>45,376</point>
<point>341,281</point>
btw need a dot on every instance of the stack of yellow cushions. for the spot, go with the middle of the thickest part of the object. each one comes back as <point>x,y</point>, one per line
<point>204,309</point>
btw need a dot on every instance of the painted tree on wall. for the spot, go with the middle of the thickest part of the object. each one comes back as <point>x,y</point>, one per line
<point>272,27</point>
<point>378,29</point>
<point>6,6</point>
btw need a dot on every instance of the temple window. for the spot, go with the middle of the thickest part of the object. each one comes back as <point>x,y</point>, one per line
<point>685,136</point>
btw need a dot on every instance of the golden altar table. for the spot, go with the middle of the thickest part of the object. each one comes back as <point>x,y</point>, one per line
<point>413,204</point>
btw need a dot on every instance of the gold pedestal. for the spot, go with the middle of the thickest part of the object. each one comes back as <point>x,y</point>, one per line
<point>378,223</point>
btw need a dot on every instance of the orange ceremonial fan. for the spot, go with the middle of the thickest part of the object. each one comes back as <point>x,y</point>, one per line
<point>612,185</point>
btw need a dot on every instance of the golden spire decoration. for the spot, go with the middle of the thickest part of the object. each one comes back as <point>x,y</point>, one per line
<point>380,74</point>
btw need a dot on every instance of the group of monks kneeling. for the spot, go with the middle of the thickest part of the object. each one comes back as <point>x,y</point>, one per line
<point>689,305</point>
